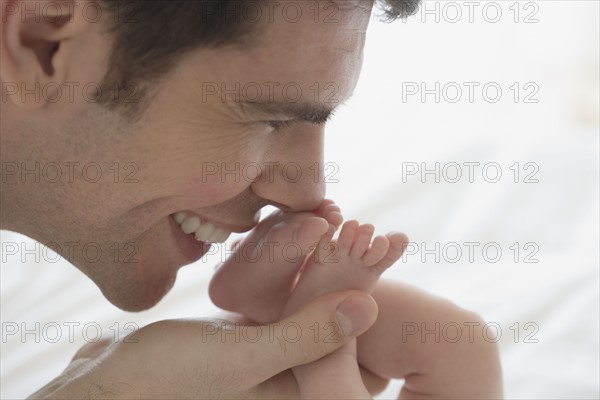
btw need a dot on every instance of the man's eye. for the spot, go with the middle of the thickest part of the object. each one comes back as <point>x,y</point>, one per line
<point>280,124</point>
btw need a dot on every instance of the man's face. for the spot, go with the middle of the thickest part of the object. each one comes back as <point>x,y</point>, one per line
<point>203,147</point>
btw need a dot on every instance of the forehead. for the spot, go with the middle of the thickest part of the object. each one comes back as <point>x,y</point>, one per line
<point>312,47</point>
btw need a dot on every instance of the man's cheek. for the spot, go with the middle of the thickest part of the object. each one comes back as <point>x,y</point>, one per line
<point>230,174</point>
<point>218,182</point>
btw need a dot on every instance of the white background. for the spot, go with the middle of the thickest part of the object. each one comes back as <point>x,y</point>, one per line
<point>377,136</point>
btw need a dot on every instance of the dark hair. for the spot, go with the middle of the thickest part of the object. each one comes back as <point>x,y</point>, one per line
<point>151,35</point>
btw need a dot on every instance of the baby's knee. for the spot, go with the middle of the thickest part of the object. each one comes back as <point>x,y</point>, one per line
<point>477,353</point>
<point>462,325</point>
<point>470,338</point>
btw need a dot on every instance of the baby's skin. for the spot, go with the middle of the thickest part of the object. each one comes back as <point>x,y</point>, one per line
<point>262,283</point>
<point>319,266</point>
<point>288,259</point>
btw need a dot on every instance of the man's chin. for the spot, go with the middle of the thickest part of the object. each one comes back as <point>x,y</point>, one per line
<point>139,285</point>
<point>134,295</point>
<point>141,278</point>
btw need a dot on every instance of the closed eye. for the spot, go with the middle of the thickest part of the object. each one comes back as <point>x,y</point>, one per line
<point>284,123</point>
<point>280,124</point>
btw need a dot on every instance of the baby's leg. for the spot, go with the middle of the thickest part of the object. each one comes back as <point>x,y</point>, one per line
<point>257,279</point>
<point>416,338</point>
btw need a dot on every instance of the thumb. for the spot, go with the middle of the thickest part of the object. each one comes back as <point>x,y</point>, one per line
<point>319,328</point>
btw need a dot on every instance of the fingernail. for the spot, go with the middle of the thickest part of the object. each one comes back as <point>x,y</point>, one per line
<point>356,314</point>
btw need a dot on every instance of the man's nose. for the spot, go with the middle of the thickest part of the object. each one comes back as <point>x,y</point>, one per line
<point>292,177</point>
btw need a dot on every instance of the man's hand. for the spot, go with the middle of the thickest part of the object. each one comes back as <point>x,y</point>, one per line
<point>215,358</point>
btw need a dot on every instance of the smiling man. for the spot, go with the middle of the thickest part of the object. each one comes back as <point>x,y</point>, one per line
<point>119,115</point>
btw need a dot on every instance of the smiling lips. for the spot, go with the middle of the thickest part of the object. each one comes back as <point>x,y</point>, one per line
<point>203,230</point>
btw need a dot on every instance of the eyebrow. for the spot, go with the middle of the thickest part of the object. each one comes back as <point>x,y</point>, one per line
<point>314,113</point>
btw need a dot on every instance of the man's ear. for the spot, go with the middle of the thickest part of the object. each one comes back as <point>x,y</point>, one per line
<point>32,38</point>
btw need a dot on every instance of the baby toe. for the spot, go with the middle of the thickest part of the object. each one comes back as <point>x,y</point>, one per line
<point>331,208</point>
<point>378,249</point>
<point>323,206</point>
<point>398,242</point>
<point>335,218</point>
<point>346,237</point>
<point>362,241</point>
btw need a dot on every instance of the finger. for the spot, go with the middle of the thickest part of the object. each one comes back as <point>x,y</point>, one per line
<point>93,349</point>
<point>321,327</point>
<point>282,386</point>
<point>335,376</point>
<point>374,383</point>
<point>341,381</point>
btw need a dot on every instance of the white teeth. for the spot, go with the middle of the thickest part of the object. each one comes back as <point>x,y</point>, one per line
<point>190,225</point>
<point>218,236</point>
<point>179,217</point>
<point>204,231</point>
<point>210,233</point>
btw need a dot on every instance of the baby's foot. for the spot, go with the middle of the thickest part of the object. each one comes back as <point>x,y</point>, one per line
<point>257,279</point>
<point>351,262</point>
